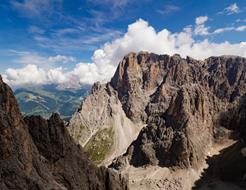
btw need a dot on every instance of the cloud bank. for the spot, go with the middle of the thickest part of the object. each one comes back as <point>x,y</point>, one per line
<point>140,36</point>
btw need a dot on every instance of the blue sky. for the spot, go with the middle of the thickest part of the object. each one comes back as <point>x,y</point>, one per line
<point>63,34</point>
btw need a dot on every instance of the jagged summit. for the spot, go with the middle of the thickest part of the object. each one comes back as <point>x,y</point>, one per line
<point>180,93</point>
<point>159,110</point>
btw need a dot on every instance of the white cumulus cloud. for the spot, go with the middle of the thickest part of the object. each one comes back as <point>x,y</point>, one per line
<point>140,36</point>
<point>26,75</point>
<point>201,20</point>
<point>200,28</point>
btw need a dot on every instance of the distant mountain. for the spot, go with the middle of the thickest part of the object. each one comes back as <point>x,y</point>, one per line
<point>46,99</point>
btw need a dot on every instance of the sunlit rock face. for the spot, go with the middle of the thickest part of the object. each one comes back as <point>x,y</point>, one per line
<point>180,100</point>
<point>183,111</point>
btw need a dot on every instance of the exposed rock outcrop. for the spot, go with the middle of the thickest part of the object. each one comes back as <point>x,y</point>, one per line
<point>180,100</point>
<point>20,164</point>
<point>183,113</point>
<point>39,154</point>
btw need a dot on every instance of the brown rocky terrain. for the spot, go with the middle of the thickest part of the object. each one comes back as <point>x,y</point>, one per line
<point>164,121</point>
<point>183,111</point>
<point>39,154</point>
<point>189,107</point>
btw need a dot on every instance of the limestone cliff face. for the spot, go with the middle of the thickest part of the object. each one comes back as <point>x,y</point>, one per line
<point>180,100</point>
<point>138,76</point>
<point>39,154</point>
<point>183,112</point>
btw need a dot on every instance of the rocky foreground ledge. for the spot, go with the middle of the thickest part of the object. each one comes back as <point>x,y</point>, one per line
<point>39,154</point>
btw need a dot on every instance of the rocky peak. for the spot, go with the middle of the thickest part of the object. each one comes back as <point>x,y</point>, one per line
<point>11,124</point>
<point>20,164</point>
<point>136,69</point>
<point>70,164</point>
<point>136,75</point>
<point>97,86</point>
<point>177,98</point>
<point>185,94</point>
<point>49,136</point>
<point>139,75</point>
<point>227,76</point>
<point>40,154</point>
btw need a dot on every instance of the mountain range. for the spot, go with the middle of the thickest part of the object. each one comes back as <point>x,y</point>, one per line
<point>162,122</point>
<point>47,99</point>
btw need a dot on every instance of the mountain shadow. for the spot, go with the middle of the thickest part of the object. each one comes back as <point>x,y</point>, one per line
<point>227,170</point>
